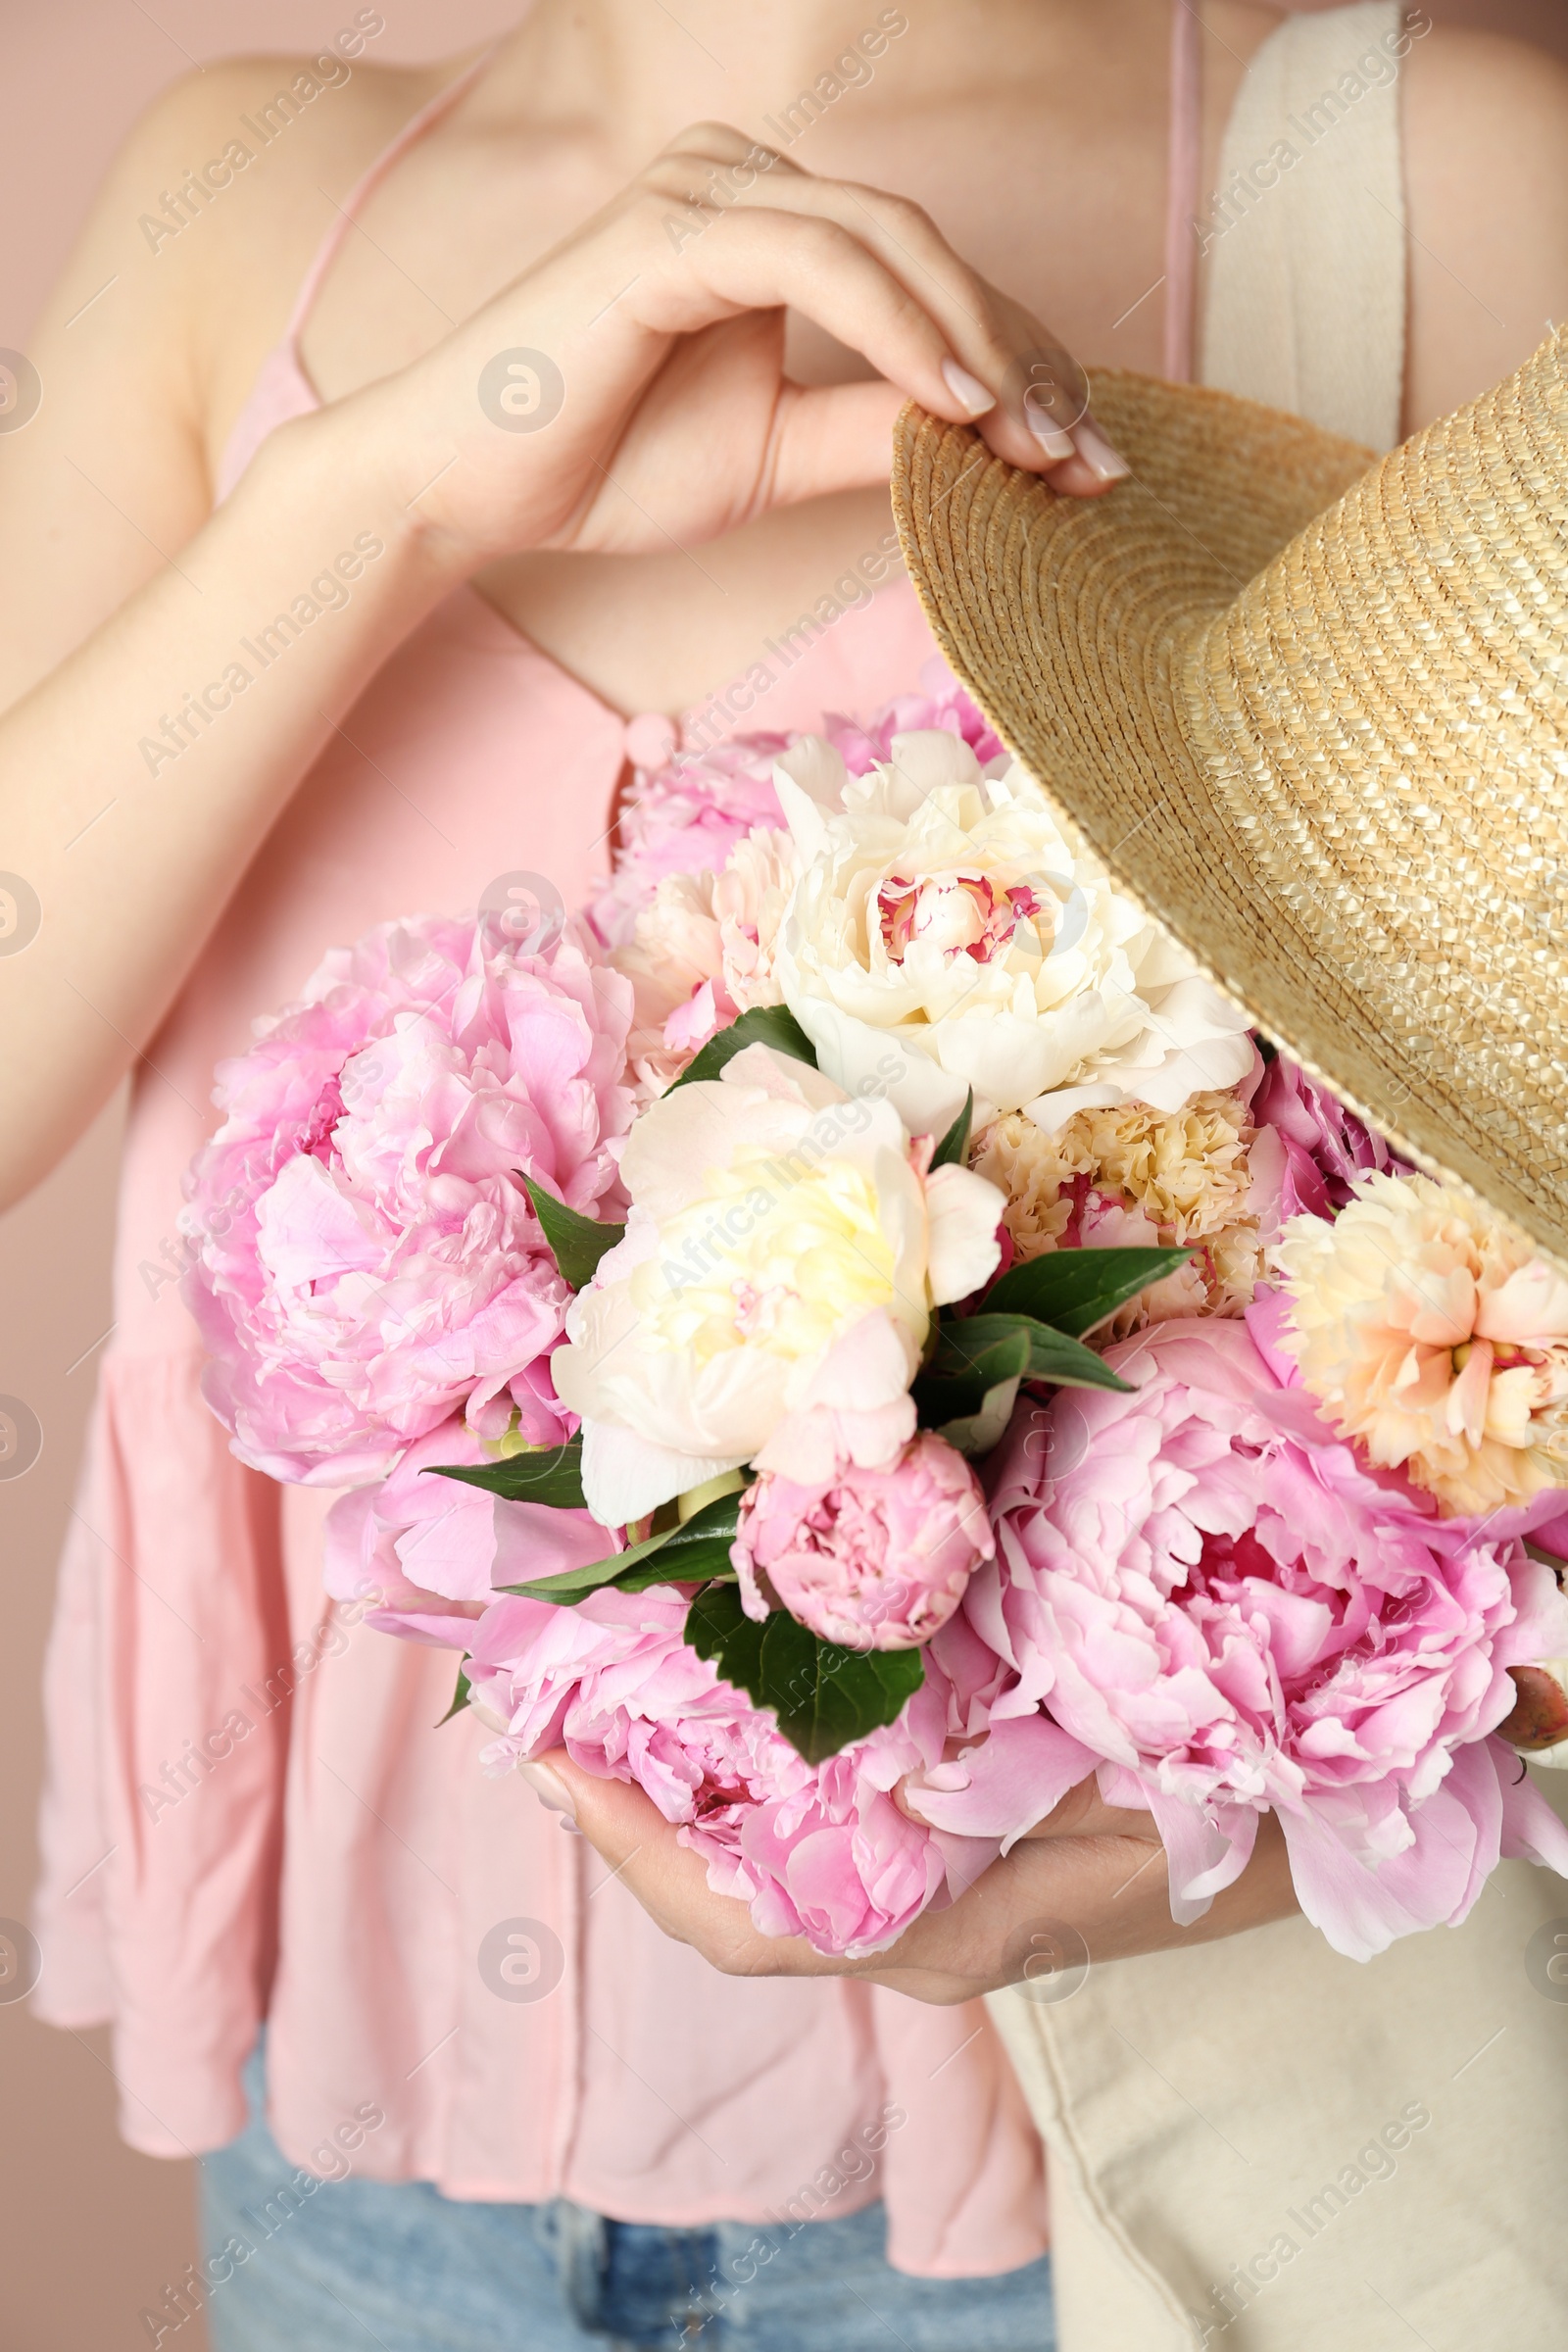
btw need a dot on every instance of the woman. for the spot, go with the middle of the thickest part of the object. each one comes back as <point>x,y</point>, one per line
<point>269,1825</point>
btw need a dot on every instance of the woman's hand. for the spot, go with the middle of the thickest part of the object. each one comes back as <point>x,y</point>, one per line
<point>1087,1881</point>
<point>630,389</point>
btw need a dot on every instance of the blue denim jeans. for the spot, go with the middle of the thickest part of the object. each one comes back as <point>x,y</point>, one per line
<point>365,2263</point>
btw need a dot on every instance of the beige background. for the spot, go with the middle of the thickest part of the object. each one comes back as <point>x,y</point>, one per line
<point>89,2232</point>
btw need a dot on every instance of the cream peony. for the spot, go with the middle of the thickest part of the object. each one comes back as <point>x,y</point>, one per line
<point>773,1292</point>
<point>1431,1332</point>
<point>703,951</point>
<point>940,910</point>
<point>1132,1177</point>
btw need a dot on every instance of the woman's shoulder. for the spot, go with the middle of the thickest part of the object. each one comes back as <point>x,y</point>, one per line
<point>1486,130</point>
<point>251,101</point>
<point>254,151</point>
<point>218,200</point>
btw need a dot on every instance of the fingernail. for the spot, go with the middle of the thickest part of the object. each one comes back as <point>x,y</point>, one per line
<point>907,1795</point>
<point>1052,440</point>
<point>967,388</point>
<point>549,1788</point>
<point>1097,453</point>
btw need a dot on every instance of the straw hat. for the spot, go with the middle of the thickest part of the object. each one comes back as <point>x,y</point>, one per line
<point>1328,749</point>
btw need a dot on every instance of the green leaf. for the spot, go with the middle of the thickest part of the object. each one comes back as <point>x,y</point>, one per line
<point>975,1353</point>
<point>968,1343</point>
<point>976,1433</point>
<point>988,1347</point>
<point>952,1389</point>
<point>954,1147</point>
<point>718,1628</point>
<point>708,1562</point>
<point>550,1474</point>
<point>578,1242</point>
<point>693,1553</point>
<point>573,1584</point>
<point>459,1696</point>
<point>823,1696</point>
<point>765,1025</point>
<point>1077,1289</point>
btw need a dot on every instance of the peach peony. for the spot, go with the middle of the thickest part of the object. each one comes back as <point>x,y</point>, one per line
<point>1430,1331</point>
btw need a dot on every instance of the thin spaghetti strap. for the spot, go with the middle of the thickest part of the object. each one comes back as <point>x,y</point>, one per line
<point>368,182</point>
<point>1181,197</point>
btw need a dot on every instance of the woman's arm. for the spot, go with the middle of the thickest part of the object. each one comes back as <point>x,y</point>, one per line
<point>139,774</point>
<point>122,597</point>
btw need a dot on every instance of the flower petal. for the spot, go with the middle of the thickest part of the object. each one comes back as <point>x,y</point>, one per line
<point>625,1476</point>
<point>962,1213</point>
<point>1006,1784</point>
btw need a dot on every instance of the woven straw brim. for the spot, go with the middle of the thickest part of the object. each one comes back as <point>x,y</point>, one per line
<point>1337,773</point>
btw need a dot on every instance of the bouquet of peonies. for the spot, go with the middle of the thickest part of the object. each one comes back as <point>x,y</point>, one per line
<point>856,1338</point>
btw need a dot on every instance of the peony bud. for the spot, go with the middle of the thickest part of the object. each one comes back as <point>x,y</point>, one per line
<point>1538,1724</point>
<point>869,1558</point>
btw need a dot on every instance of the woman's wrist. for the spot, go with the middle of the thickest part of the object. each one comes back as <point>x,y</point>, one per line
<point>344,476</point>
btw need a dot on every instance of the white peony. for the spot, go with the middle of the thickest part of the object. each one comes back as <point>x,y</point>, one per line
<point>942,910</point>
<point>773,1293</point>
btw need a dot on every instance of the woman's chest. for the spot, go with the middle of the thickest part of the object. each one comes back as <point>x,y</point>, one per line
<point>1063,214</point>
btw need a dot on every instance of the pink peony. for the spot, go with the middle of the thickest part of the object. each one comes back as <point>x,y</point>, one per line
<point>1308,1151</point>
<point>816,1850</point>
<point>1210,1592</point>
<point>870,1558</point>
<point>433,1549</point>
<point>946,706</point>
<point>685,819</point>
<point>367,1261</point>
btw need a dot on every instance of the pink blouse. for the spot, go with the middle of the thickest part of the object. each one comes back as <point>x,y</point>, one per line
<point>249,1811</point>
